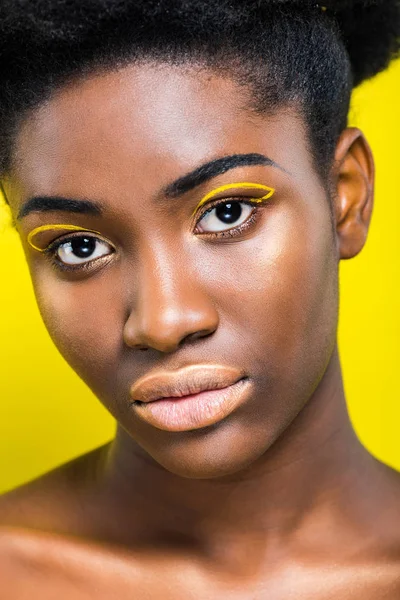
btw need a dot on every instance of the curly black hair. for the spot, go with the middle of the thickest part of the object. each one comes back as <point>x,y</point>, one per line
<point>285,51</point>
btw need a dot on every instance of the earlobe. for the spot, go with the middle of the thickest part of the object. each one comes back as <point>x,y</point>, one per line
<point>354,178</point>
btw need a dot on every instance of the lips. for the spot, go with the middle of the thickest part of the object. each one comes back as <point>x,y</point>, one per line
<point>192,398</point>
<point>184,382</point>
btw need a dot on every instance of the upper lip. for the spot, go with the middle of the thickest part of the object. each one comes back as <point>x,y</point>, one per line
<point>184,382</point>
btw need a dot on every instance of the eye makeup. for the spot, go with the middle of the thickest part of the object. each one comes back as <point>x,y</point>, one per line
<point>55,227</point>
<point>234,186</point>
<point>223,188</point>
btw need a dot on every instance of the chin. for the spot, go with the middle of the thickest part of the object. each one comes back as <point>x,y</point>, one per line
<point>221,450</point>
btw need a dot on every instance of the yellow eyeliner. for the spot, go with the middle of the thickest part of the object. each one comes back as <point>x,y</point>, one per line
<point>54,227</point>
<point>231,186</point>
<point>223,188</point>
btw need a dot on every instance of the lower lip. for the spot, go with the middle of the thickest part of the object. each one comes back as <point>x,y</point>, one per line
<point>195,411</point>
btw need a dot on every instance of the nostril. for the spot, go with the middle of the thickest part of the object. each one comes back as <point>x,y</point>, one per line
<point>195,336</point>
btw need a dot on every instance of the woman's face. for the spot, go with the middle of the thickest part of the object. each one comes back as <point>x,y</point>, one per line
<point>261,299</point>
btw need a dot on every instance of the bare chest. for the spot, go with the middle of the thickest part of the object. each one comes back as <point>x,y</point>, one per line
<point>104,581</point>
<point>57,568</point>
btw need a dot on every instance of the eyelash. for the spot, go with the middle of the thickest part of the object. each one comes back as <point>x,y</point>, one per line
<point>233,231</point>
<point>51,251</point>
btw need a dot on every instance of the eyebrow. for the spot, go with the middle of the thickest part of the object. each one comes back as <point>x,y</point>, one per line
<point>213,169</point>
<point>58,203</point>
<point>179,187</point>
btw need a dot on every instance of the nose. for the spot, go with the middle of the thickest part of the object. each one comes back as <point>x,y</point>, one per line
<point>170,306</point>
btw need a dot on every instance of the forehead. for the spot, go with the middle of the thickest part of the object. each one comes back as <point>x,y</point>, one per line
<point>144,125</point>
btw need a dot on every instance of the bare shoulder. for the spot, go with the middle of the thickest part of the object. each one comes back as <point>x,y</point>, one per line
<point>66,568</point>
<point>62,567</point>
<point>52,498</point>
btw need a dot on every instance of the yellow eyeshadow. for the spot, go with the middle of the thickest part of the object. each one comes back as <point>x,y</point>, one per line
<point>231,186</point>
<point>54,228</point>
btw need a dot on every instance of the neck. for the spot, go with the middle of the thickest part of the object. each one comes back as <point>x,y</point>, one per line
<point>317,462</point>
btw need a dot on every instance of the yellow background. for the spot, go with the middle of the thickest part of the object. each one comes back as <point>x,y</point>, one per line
<point>47,415</point>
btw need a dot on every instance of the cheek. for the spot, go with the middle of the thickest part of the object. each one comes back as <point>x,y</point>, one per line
<point>84,319</point>
<point>284,303</point>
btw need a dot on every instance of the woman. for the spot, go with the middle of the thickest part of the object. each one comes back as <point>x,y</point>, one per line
<point>185,185</point>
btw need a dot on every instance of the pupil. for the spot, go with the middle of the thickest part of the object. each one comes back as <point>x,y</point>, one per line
<point>230,212</point>
<point>83,247</point>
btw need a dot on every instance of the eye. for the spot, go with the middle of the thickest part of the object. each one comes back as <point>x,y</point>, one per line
<point>79,250</point>
<point>226,215</point>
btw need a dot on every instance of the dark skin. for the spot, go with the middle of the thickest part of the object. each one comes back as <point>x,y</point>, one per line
<point>277,500</point>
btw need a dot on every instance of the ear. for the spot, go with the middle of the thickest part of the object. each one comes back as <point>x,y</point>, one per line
<point>354,177</point>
